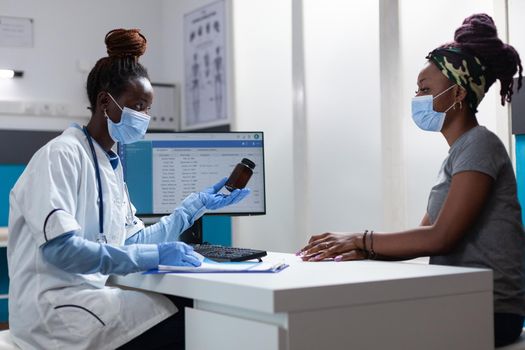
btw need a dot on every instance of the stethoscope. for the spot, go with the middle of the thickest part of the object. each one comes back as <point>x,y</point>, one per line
<point>101,237</point>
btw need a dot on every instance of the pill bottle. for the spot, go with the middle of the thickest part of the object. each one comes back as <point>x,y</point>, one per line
<point>240,175</point>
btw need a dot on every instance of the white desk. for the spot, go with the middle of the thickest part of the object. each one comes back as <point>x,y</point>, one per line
<point>350,305</point>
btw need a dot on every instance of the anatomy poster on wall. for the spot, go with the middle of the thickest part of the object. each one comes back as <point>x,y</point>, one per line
<point>205,93</point>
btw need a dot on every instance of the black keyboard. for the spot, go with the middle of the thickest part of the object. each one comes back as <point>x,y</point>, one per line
<point>222,253</point>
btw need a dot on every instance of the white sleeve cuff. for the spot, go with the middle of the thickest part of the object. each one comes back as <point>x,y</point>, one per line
<point>58,222</point>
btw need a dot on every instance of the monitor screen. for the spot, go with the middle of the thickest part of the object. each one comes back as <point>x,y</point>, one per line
<point>163,168</point>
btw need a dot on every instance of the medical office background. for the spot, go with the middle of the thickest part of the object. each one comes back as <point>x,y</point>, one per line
<point>329,82</point>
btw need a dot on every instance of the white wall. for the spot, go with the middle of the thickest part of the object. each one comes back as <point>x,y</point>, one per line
<point>343,112</point>
<point>343,177</point>
<point>263,101</point>
<point>67,33</point>
<point>424,26</point>
<point>516,9</point>
<point>342,131</point>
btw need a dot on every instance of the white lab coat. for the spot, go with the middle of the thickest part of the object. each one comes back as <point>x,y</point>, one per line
<point>48,307</point>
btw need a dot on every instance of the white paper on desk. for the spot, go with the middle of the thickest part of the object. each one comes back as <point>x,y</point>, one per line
<point>213,266</point>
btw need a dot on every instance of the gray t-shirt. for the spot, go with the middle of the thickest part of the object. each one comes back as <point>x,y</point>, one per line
<point>496,240</point>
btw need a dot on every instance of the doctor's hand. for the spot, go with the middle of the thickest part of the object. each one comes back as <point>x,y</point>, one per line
<point>336,246</point>
<point>212,199</point>
<point>178,254</point>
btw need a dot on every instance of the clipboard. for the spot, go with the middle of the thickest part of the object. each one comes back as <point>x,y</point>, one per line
<point>210,266</point>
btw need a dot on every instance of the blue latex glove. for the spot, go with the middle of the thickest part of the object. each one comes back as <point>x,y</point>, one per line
<point>177,254</point>
<point>212,199</point>
<point>75,254</point>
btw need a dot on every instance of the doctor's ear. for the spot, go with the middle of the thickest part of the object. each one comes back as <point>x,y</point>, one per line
<point>102,100</point>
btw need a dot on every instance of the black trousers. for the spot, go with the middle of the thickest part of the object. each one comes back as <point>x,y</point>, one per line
<point>507,328</point>
<point>168,334</point>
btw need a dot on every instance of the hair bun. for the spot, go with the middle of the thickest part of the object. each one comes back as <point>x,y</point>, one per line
<point>478,36</point>
<point>125,42</point>
<point>475,28</point>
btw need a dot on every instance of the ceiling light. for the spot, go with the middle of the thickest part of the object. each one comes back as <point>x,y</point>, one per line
<point>10,73</point>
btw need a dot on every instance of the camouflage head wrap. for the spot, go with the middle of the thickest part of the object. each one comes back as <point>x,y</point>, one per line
<point>463,69</point>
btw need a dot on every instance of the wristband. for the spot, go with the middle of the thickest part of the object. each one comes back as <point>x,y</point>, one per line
<point>372,254</point>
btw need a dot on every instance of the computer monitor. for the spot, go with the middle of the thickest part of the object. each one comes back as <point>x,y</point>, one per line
<point>163,168</point>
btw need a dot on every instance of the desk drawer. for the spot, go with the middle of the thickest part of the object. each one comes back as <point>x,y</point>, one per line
<point>209,330</point>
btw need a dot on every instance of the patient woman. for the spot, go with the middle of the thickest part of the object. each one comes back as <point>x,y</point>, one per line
<point>473,217</point>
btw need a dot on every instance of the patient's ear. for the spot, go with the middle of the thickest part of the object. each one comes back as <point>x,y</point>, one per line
<point>460,95</point>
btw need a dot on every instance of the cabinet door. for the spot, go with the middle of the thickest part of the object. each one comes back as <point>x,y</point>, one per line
<point>209,330</point>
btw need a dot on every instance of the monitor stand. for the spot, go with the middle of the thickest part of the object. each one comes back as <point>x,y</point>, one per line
<point>193,235</point>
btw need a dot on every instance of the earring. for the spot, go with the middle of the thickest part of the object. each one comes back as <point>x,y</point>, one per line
<point>460,105</point>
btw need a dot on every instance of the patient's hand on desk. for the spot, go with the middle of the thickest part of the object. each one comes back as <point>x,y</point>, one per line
<point>333,246</point>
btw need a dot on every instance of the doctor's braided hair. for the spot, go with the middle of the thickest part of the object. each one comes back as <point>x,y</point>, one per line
<point>478,36</point>
<point>112,73</point>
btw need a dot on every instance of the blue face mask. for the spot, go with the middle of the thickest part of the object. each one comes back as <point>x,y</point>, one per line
<point>424,115</point>
<point>132,126</point>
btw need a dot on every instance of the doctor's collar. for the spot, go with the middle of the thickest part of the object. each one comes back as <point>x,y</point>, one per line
<point>112,156</point>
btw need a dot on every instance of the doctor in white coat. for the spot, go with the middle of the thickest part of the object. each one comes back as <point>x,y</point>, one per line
<point>71,224</point>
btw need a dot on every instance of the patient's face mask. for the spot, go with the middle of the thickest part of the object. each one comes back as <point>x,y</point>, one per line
<point>132,126</point>
<point>424,115</point>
